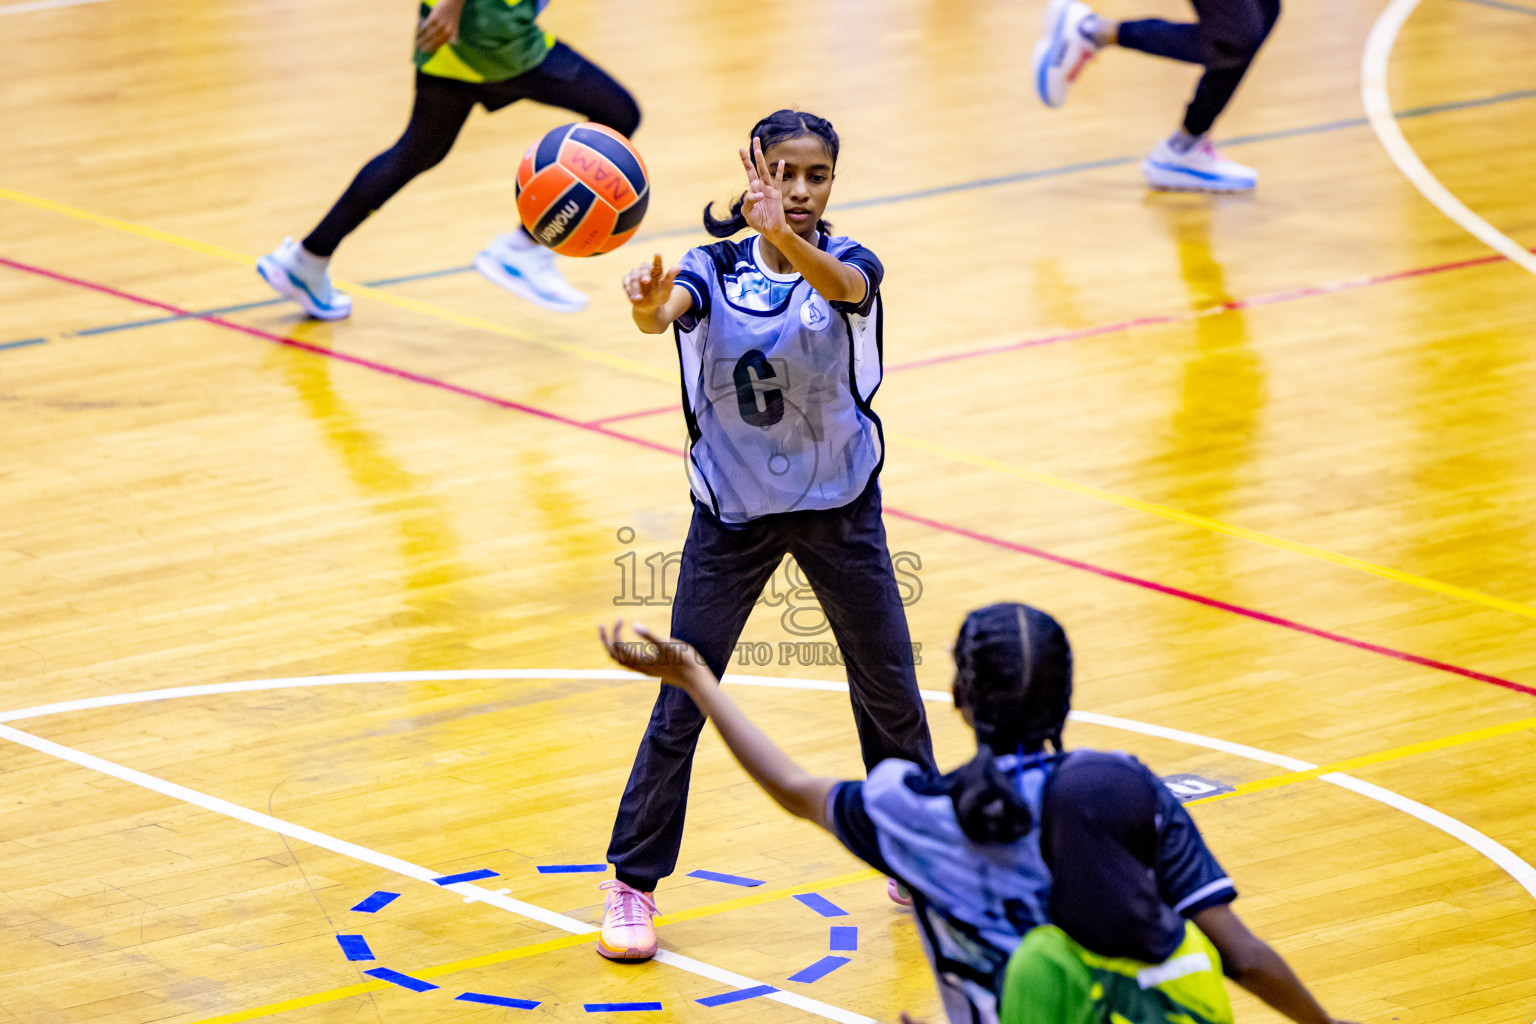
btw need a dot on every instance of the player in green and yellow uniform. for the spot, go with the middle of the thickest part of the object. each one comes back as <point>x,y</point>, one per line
<point>1142,924</point>
<point>490,52</point>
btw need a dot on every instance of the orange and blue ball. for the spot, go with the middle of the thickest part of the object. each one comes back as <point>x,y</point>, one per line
<point>582,190</point>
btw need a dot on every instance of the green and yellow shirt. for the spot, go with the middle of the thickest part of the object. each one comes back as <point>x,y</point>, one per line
<point>498,39</point>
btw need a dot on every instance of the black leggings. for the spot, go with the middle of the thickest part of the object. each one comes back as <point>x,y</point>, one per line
<point>1225,39</point>
<point>564,79</point>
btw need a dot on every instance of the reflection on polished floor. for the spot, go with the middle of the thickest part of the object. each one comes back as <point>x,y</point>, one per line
<point>1268,458</point>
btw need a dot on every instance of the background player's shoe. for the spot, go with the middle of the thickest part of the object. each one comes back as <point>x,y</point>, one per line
<point>303,277</point>
<point>898,893</point>
<point>1063,51</point>
<point>1198,169</point>
<point>628,931</point>
<point>522,266</point>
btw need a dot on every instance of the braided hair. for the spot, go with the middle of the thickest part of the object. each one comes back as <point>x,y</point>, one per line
<point>779,126</point>
<point>1013,671</point>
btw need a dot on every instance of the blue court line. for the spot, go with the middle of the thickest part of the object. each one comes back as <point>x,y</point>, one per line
<point>356,947</point>
<point>818,970</point>
<point>1501,5</point>
<point>822,905</point>
<point>466,876</point>
<point>896,197</point>
<point>403,980</point>
<point>737,996</point>
<point>377,902</point>
<point>481,997</point>
<point>844,938</point>
<point>715,876</point>
<point>569,869</point>
<point>619,1007</point>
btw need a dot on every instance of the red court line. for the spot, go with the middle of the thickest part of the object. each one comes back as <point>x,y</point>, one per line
<point>1211,602</point>
<point>319,350</point>
<point>1266,299</point>
<point>637,414</point>
<point>959,531</point>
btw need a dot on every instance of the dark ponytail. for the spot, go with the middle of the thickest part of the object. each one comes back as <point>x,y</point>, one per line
<point>988,806</point>
<point>777,127</point>
<point>1013,671</point>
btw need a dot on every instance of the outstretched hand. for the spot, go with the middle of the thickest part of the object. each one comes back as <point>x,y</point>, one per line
<point>763,204</point>
<point>671,661</point>
<point>649,286</point>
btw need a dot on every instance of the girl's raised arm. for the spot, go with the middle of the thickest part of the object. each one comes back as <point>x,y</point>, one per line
<point>678,664</point>
<point>655,297</point>
<point>763,207</point>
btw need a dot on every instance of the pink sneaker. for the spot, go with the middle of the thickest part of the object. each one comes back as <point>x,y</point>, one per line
<point>628,932</point>
<point>898,893</point>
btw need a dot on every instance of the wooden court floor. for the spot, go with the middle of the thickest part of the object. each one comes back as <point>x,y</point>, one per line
<point>1269,459</point>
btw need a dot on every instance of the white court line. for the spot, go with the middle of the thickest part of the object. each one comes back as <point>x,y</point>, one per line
<point>43,5</point>
<point>468,890</point>
<point>1378,109</point>
<point>1517,869</point>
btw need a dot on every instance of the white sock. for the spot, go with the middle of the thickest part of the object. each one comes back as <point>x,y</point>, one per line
<point>308,260</point>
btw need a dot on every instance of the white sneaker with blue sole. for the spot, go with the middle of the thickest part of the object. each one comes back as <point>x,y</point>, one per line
<point>524,267</point>
<point>302,277</point>
<point>1198,169</point>
<point>1063,51</point>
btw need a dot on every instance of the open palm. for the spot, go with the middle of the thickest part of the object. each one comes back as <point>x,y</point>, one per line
<point>763,204</point>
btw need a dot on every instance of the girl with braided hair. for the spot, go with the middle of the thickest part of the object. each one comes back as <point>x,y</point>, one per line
<point>1020,836</point>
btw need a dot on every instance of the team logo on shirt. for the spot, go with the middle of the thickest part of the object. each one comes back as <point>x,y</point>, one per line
<point>815,313</point>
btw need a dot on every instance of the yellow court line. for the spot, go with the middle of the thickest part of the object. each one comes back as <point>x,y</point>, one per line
<point>643,369</point>
<point>534,949</point>
<point>1381,756</point>
<point>754,899</point>
<point>351,287</point>
<point>1217,526</point>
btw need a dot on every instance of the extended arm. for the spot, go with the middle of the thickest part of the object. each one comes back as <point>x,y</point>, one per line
<point>835,280</point>
<point>1253,964</point>
<point>792,787</point>
<point>655,299</point>
<point>763,207</point>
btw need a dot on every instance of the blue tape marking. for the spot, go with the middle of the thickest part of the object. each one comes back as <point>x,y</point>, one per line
<point>569,869</point>
<point>845,938</point>
<point>356,947</point>
<point>715,876</point>
<point>737,996</point>
<point>481,997</point>
<point>403,980</point>
<point>466,876</point>
<point>822,905</point>
<point>820,969</point>
<point>619,1007</point>
<point>377,902</point>
<point>24,343</point>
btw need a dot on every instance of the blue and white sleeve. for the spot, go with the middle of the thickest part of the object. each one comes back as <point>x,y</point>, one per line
<point>868,264</point>
<point>694,271</point>
<point>1188,875</point>
<point>852,825</point>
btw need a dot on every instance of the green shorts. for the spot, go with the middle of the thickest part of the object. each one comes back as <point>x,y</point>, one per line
<point>1052,980</point>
